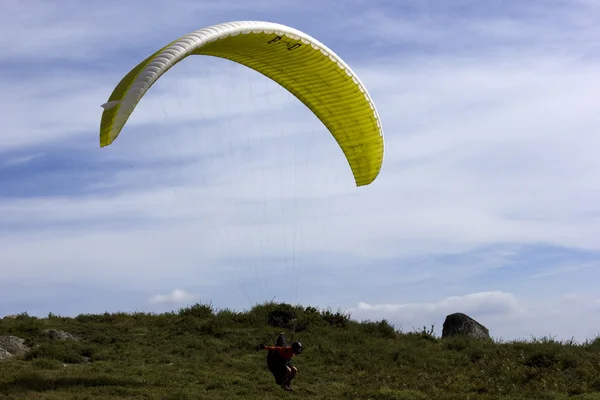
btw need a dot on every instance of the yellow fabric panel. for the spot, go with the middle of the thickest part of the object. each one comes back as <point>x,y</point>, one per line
<point>320,84</point>
<point>309,71</point>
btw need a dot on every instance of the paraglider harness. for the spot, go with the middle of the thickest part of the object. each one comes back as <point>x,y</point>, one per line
<point>276,363</point>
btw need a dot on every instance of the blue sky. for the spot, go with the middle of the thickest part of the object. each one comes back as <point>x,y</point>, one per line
<point>224,188</point>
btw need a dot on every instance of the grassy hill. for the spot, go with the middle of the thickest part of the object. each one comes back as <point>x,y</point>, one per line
<point>201,353</point>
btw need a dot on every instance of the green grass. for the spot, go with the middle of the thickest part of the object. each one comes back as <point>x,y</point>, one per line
<point>201,353</point>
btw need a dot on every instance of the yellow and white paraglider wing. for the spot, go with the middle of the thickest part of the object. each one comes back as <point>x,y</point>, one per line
<point>293,59</point>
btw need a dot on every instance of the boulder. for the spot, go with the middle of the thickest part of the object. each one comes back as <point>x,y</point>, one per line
<point>59,335</point>
<point>11,346</point>
<point>460,324</point>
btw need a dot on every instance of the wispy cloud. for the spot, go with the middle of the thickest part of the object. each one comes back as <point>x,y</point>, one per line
<point>494,303</point>
<point>177,296</point>
<point>223,179</point>
<point>504,314</point>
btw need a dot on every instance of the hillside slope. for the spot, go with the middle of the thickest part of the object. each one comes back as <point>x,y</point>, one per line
<point>200,353</point>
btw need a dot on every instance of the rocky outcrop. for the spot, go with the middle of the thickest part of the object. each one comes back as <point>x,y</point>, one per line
<point>59,335</point>
<point>460,324</point>
<point>12,346</point>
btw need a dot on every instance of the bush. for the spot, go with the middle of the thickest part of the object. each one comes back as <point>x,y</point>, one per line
<point>197,310</point>
<point>382,329</point>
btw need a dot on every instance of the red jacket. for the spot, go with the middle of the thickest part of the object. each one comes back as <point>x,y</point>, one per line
<point>284,351</point>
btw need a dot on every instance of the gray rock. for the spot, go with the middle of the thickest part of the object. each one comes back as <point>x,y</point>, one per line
<point>55,334</point>
<point>460,324</point>
<point>12,346</point>
<point>4,354</point>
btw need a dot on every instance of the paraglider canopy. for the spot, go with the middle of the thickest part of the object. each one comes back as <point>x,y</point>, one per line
<point>305,67</point>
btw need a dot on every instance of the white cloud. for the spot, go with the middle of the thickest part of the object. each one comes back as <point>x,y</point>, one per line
<point>87,30</point>
<point>492,304</point>
<point>504,314</point>
<point>482,149</point>
<point>177,296</point>
<point>450,197</point>
<point>21,160</point>
<point>573,297</point>
<point>437,26</point>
